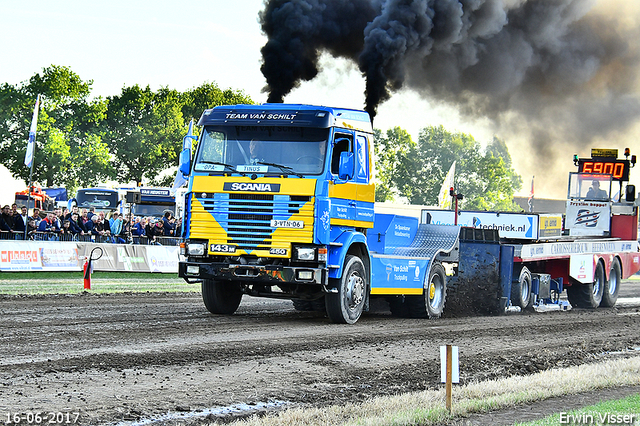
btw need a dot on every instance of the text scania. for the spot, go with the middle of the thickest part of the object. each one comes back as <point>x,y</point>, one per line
<point>252,187</point>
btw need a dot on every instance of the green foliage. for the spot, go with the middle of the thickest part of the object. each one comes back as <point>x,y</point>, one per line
<point>392,153</point>
<point>67,123</point>
<point>209,95</point>
<point>416,170</point>
<point>80,142</point>
<point>145,129</point>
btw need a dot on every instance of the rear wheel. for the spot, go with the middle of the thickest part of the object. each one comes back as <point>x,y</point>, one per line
<point>588,296</point>
<point>346,306</point>
<point>431,303</point>
<point>521,290</point>
<point>612,285</point>
<point>221,297</point>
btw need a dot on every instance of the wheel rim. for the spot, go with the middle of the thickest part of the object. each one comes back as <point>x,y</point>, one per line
<point>524,289</point>
<point>435,291</point>
<point>355,291</point>
<point>613,281</point>
<point>597,283</point>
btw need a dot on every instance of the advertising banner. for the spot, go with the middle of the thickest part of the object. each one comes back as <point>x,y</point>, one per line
<point>509,225</point>
<point>38,256</point>
<point>588,218</point>
<point>70,256</point>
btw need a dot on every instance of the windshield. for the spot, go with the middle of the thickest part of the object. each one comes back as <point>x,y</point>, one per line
<point>262,149</point>
<point>155,210</point>
<point>590,187</point>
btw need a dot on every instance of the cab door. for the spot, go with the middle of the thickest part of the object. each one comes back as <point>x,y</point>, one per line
<point>365,189</point>
<point>342,192</point>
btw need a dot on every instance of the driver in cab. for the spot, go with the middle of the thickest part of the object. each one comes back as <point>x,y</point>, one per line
<point>256,149</point>
<point>595,193</point>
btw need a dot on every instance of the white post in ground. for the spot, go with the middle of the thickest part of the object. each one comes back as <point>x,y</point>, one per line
<point>450,370</point>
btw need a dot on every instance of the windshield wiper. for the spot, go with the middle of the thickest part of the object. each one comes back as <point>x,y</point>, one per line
<point>226,166</point>
<point>285,169</point>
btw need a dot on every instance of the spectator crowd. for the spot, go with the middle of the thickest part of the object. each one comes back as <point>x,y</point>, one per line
<point>87,225</point>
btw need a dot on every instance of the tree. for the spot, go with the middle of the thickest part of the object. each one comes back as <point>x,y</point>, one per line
<point>67,128</point>
<point>209,95</point>
<point>416,171</point>
<point>391,151</point>
<point>144,130</point>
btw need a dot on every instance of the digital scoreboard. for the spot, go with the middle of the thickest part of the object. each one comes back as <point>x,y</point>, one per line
<point>619,169</point>
<point>605,161</point>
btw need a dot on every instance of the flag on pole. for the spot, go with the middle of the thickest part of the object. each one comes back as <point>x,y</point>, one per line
<point>444,199</point>
<point>530,201</point>
<point>28,158</point>
<point>186,143</point>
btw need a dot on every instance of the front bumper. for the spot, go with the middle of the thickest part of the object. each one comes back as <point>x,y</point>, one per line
<point>265,274</point>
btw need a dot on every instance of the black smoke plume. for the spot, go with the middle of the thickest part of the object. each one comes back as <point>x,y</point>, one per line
<point>561,69</point>
<point>300,30</point>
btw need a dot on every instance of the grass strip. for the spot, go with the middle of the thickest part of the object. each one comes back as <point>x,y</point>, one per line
<point>428,407</point>
<point>622,411</point>
<point>29,283</point>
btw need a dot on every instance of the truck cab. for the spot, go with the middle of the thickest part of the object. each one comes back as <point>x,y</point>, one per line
<point>279,200</point>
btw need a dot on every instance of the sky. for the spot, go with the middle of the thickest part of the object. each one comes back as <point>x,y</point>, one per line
<point>181,45</point>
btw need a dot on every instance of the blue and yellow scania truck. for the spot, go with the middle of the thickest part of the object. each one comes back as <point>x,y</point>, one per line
<point>280,204</point>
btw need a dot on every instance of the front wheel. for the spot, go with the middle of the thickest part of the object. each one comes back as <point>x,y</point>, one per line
<point>221,297</point>
<point>612,285</point>
<point>346,306</point>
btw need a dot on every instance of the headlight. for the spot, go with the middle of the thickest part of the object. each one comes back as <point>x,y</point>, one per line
<point>306,253</point>
<point>196,249</point>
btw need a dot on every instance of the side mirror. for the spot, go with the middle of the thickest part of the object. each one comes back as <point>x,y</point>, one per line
<point>630,193</point>
<point>185,162</point>
<point>345,169</point>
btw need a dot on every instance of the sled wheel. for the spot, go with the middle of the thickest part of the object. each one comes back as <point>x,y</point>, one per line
<point>521,290</point>
<point>612,285</point>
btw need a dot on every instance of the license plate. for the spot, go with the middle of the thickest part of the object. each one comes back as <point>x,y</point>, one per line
<point>296,224</point>
<point>223,248</point>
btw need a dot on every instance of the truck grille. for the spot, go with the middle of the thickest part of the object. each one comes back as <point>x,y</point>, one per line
<point>246,218</point>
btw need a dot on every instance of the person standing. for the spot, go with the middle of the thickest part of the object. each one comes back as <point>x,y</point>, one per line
<point>7,217</point>
<point>115,225</point>
<point>21,221</point>
<point>49,224</point>
<point>168,225</point>
<point>75,224</point>
<point>36,216</point>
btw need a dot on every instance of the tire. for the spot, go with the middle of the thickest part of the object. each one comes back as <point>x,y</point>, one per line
<point>220,297</point>
<point>521,290</point>
<point>431,303</point>
<point>303,305</point>
<point>612,285</point>
<point>346,306</point>
<point>588,296</point>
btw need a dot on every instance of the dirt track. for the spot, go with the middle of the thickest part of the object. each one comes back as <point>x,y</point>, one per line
<point>135,356</point>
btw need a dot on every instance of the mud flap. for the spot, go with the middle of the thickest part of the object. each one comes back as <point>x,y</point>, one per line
<point>482,285</point>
